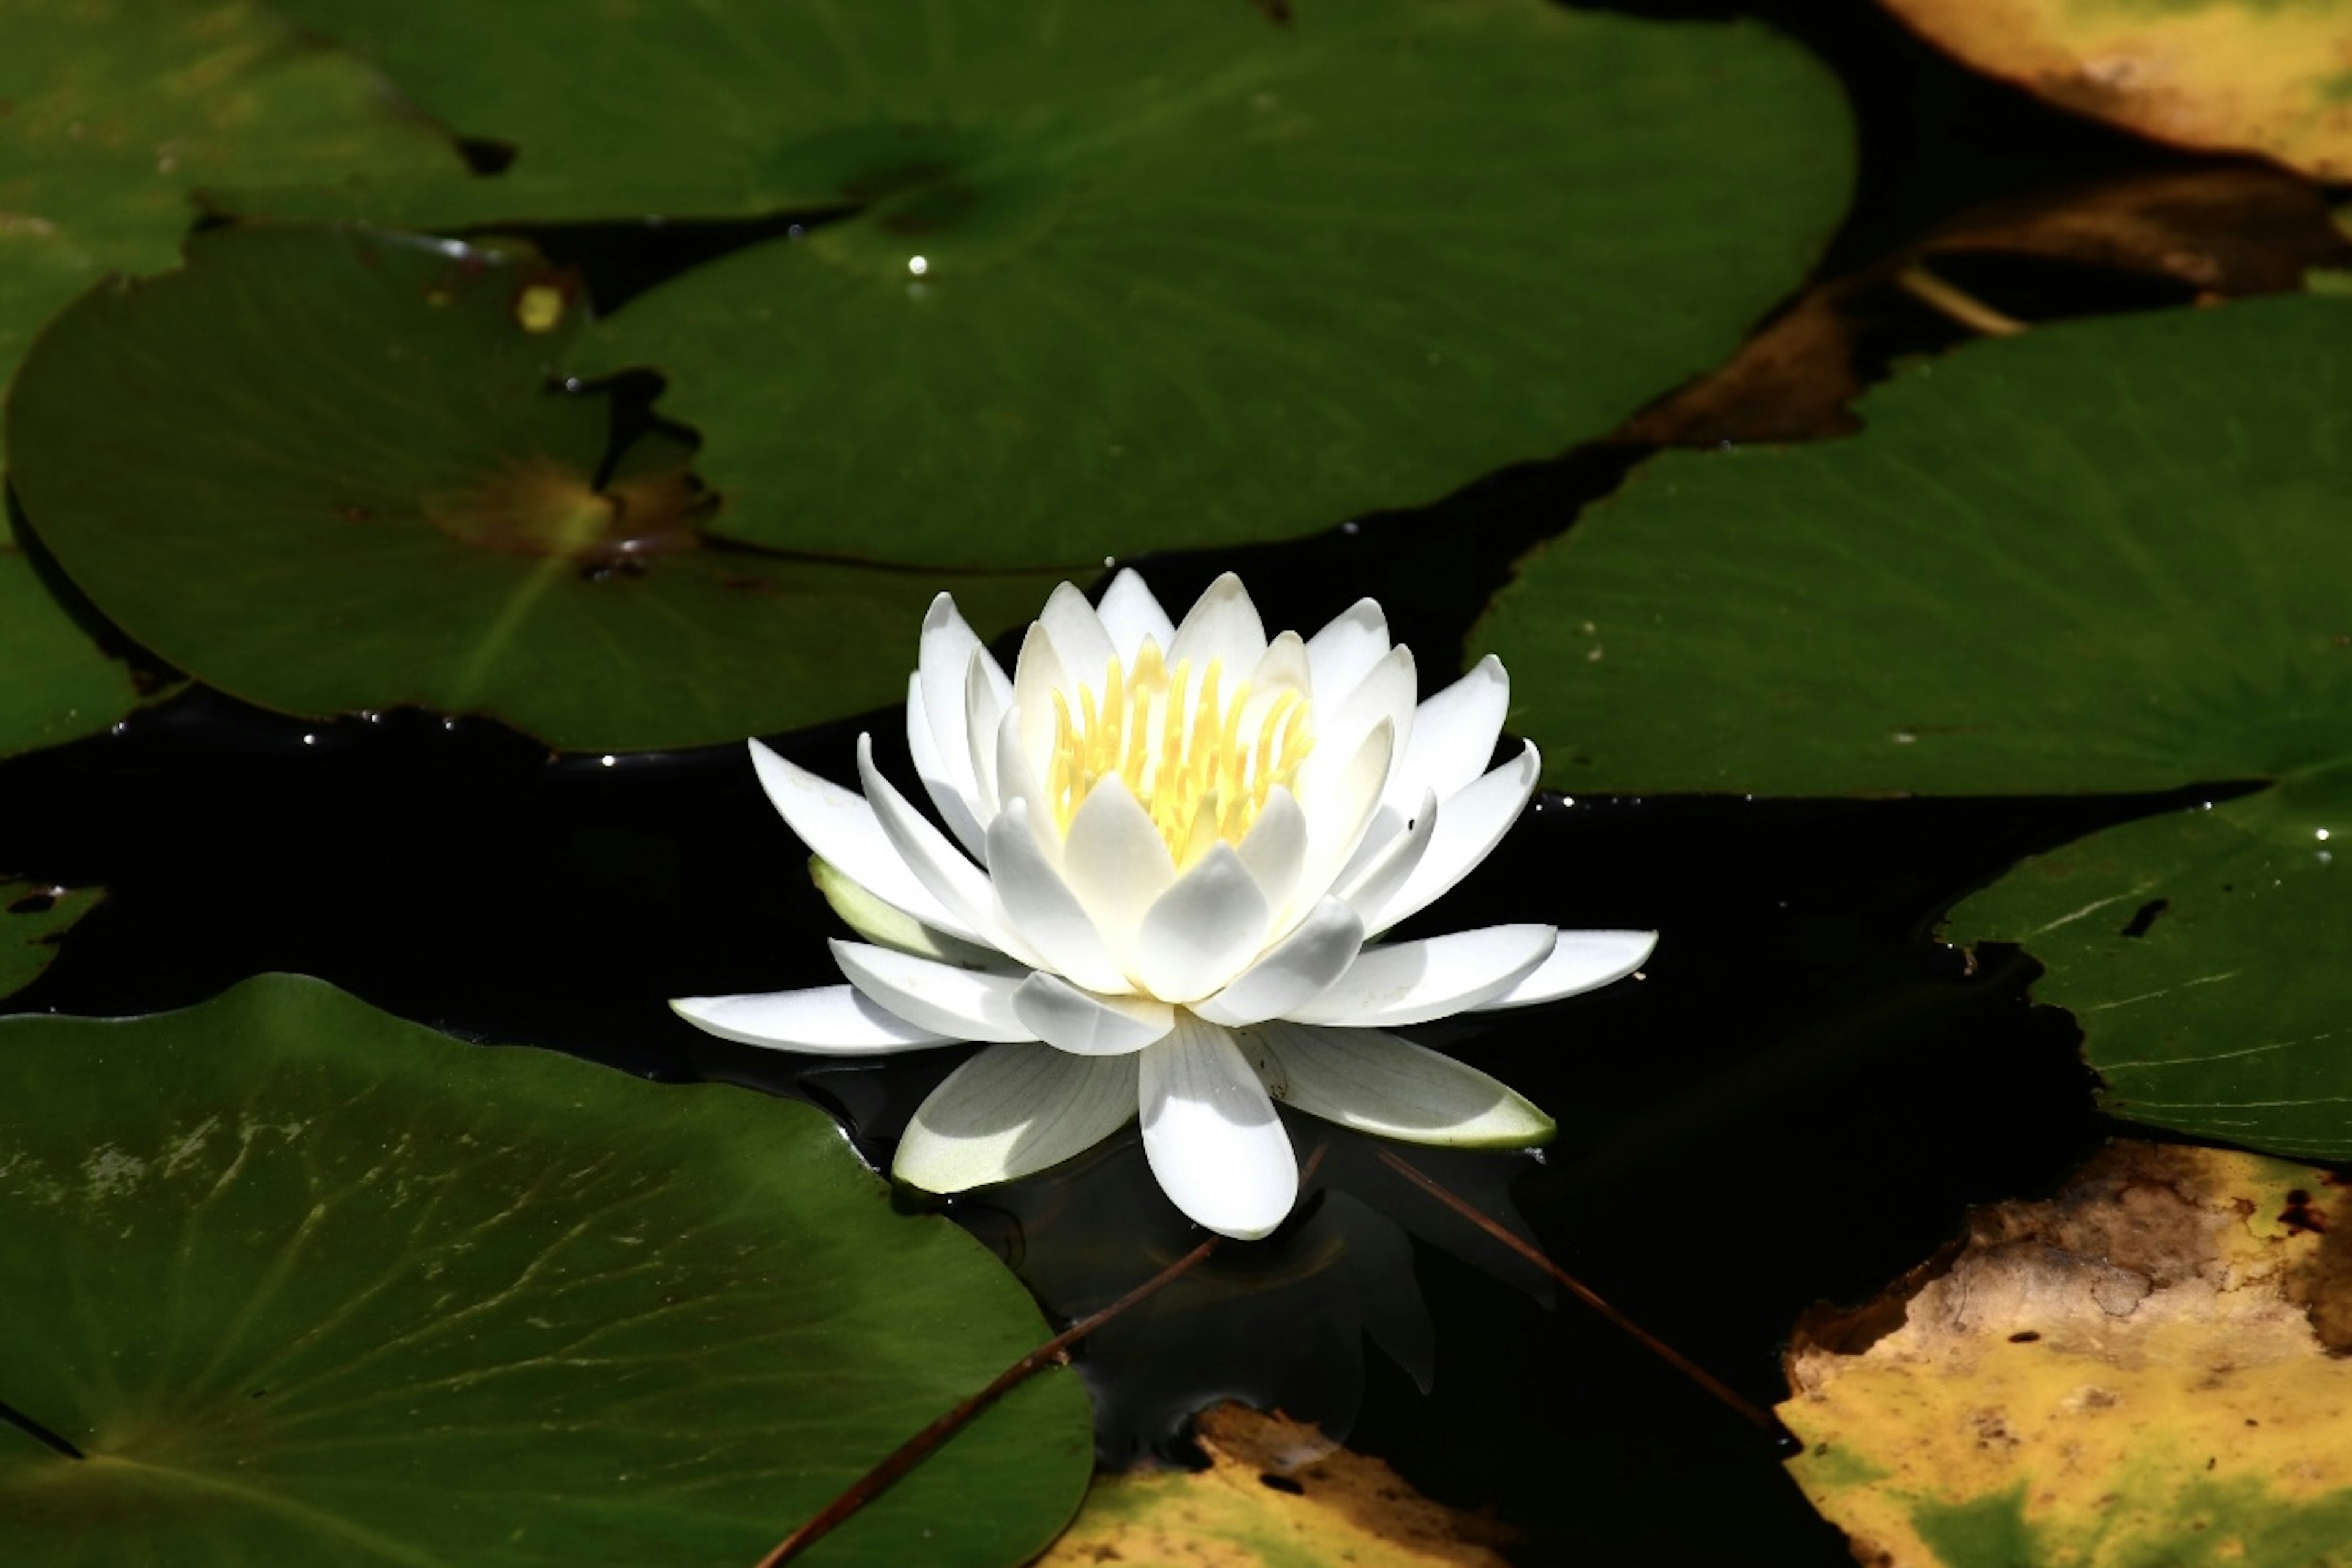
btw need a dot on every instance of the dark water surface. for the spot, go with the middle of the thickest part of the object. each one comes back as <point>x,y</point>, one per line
<point>1796,1101</point>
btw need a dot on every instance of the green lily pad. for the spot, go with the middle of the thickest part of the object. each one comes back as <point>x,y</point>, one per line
<point>2109,556</point>
<point>32,918</point>
<point>1117,279</point>
<point>56,684</point>
<point>327,469</point>
<point>307,1284</point>
<point>121,110</point>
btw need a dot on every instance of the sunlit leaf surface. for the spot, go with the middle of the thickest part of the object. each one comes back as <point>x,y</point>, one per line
<point>2273,77</point>
<point>1101,279</point>
<point>2129,1375</point>
<point>122,112</point>
<point>328,470</point>
<point>2105,556</point>
<point>309,1285</point>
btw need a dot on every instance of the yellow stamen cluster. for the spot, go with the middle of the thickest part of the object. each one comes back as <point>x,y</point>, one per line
<point>1180,749</point>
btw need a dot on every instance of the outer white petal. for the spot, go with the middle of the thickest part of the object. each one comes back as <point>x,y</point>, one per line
<point>1293,971</point>
<point>1379,871</point>
<point>1454,733</point>
<point>1275,849</point>
<point>1386,693</point>
<point>1580,961</point>
<point>1203,930</point>
<point>1469,826</point>
<point>1413,981</point>
<point>1080,640</point>
<point>1375,1081</point>
<point>1223,626</point>
<point>1118,865</point>
<point>1012,1110</point>
<point>831,1020</point>
<point>986,695</point>
<point>961,1003</point>
<point>961,888</point>
<point>1131,614</point>
<point>1069,1019</point>
<point>1343,652</point>
<point>1212,1134</point>
<point>840,828</point>
<point>958,802</point>
<point>1040,909</point>
<point>1017,780</point>
<point>945,653</point>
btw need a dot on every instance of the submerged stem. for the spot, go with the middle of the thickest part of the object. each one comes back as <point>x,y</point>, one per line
<point>38,1433</point>
<point>917,1449</point>
<point>1941,295</point>
<point>1723,1393</point>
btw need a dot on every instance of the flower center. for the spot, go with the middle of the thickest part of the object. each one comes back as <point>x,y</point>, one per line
<point>1201,762</point>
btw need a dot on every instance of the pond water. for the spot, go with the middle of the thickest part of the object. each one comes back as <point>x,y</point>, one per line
<point>1793,1103</point>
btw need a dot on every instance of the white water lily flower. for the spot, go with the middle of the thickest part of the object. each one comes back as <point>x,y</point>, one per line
<point>1174,850</point>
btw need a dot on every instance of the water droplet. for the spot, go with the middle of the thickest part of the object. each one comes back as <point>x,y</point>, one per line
<point>607,760</point>
<point>919,264</point>
<point>1904,738</point>
<point>2321,835</point>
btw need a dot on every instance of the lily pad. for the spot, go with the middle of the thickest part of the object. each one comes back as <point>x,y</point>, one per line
<point>2107,556</point>
<point>32,917</point>
<point>56,684</point>
<point>1102,280</point>
<point>303,1283</point>
<point>329,469</point>
<point>2273,77</point>
<point>2125,1375</point>
<point>121,110</point>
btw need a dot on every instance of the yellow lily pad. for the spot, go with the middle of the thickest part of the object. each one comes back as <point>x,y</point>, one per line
<point>2273,77</point>
<point>2145,1369</point>
<point>1277,1494</point>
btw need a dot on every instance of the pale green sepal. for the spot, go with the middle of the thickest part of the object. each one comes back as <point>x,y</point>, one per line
<point>886,925</point>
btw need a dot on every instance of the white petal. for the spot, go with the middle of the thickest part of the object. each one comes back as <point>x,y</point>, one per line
<point>1386,692</point>
<point>1292,972</point>
<point>1069,1019</point>
<point>1131,614</point>
<point>1378,871</point>
<point>1283,668</point>
<point>1580,961</point>
<point>945,653</point>
<point>1116,863</point>
<point>1080,641</point>
<point>1012,1110</point>
<point>1275,848</point>
<point>1338,804</point>
<point>886,926</point>
<point>840,828</point>
<point>1413,981</point>
<point>832,1020</point>
<point>1453,734</point>
<point>1469,826</point>
<point>1343,652</point>
<point>1223,626</point>
<point>1212,1135</point>
<point>1040,909</point>
<point>960,886</point>
<point>986,695</point>
<point>1201,931</point>
<point>957,801</point>
<point>1037,676</point>
<point>962,1003</point>
<point>1379,1083</point>
<point>1017,780</point>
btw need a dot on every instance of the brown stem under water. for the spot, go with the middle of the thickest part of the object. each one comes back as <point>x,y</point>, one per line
<point>917,1449</point>
<point>1706,1380</point>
